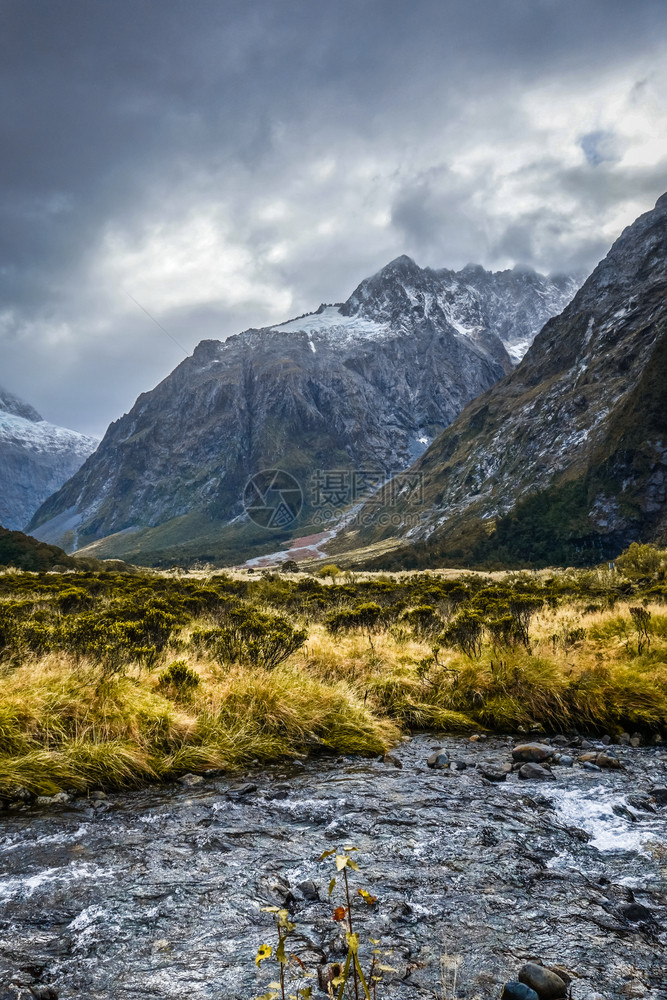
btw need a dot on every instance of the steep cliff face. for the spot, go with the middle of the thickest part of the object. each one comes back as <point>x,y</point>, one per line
<point>36,458</point>
<point>364,385</point>
<point>565,459</point>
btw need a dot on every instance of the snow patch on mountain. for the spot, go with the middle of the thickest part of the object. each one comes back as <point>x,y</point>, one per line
<point>36,458</point>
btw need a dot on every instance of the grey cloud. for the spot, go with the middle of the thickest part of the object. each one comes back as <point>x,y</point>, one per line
<point>119,117</point>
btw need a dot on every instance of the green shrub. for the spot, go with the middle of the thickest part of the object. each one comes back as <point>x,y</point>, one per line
<point>255,637</point>
<point>369,617</point>
<point>424,621</point>
<point>180,676</point>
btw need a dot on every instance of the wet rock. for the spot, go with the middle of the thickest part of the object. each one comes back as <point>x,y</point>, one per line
<point>190,780</point>
<point>601,760</point>
<point>22,978</point>
<point>309,890</point>
<point>493,774</point>
<point>389,758</point>
<point>21,794</point>
<point>534,753</point>
<point>619,809</point>
<point>624,739</point>
<point>241,791</point>
<point>588,765</point>
<point>634,912</point>
<point>439,759</point>
<point>43,993</point>
<point>458,765</point>
<point>278,793</point>
<point>564,760</point>
<point>606,740</point>
<point>608,760</point>
<point>585,744</point>
<point>636,740</point>
<point>659,795</point>
<point>98,795</point>
<point>546,983</point>
<point>641,802</point>
<point>59,799</point>
<point>518,991</point>
<point>560,741</point>
<point>535,772</point>
<point>326,974</point>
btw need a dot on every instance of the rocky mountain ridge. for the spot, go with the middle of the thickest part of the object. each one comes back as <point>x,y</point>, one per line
<point>565,459</point>
<point>364,385</point>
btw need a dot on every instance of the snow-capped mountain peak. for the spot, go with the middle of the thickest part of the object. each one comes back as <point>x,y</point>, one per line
<point>36,458</point>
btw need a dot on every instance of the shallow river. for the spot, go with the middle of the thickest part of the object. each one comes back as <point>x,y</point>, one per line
<point>158,893</point>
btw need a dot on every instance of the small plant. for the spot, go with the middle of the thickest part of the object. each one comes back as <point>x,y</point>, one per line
<point>284,927</point>
<point>642,620</point>
<point>329,570</point>
<point>465,631</point>
<point>352,969</point>
<point>180,676</point>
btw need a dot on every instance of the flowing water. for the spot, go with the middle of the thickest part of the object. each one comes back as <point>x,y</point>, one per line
<point>158,894</point>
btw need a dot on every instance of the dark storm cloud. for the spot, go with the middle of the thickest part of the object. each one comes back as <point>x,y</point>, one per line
<point>230,164</point>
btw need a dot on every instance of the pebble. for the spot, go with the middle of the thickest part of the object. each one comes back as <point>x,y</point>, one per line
<point>535,772</point>
<point>601,760</point>
<point>588,765</point>
<point>190,780</point>
<point>309,890</point>
<point>439,759</point>
<point>389,758</point>
<point>564,760</point>
<point>544,982</point>
<point>518,991</point>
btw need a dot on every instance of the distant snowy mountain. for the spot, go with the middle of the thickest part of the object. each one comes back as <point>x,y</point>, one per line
<point>36,458</point>
<point>363,385</point>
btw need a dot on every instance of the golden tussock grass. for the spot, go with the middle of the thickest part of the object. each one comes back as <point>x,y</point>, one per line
<point>62,725</point>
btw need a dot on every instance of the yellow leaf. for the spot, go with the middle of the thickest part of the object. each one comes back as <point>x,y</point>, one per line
<point>352,942</point>
<point>265,951</point>
<point>332,886</point>
<point>269,909</point>
<point>327,854</point>
<point>386,968</point>
<point>341,862</point>
<point>366,896</point>
<point>352,864</point>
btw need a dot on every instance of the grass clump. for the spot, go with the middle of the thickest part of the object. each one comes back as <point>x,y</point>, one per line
<point>114,679</point>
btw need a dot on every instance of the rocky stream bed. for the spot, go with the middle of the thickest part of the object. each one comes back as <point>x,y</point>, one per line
<point>158,893</point>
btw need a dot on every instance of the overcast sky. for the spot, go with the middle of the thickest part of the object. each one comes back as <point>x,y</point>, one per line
<point>232,164</point>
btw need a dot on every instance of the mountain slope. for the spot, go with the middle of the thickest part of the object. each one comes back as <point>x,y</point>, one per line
<point>364,385</point>
<point>36,458</point>
<point>564,460</point>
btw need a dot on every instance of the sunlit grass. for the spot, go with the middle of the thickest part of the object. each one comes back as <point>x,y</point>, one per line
<point>65,723</point>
